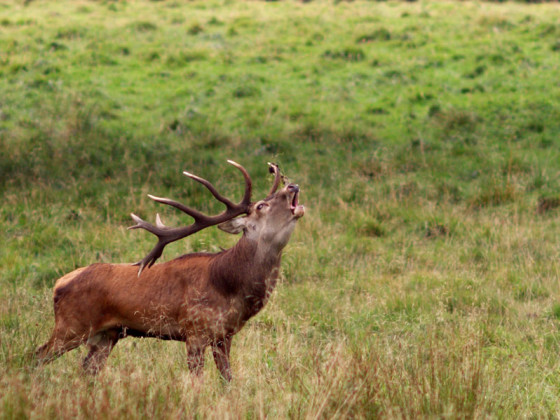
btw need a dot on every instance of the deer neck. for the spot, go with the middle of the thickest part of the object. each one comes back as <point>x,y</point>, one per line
<point>249,262</point>
<point>247,271</point>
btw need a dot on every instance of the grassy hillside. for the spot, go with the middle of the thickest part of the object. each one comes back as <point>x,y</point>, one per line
<point>423,280</point>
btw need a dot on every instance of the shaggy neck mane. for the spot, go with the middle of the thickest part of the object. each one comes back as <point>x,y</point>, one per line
<point>245,269</point>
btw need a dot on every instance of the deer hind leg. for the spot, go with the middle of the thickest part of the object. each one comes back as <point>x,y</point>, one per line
<point>220,351</point>
<point>100,346</point>
<point>61,341</point>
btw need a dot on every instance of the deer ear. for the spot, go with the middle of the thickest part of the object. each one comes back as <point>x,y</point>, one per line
<point>233,226</point>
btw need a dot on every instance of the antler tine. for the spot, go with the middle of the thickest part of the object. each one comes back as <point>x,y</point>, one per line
<point>195,214</point>
<point>273,168</point>
<point>167,235</point>
<point>156,252</point>
<point>248,184</point>
<point>246,197</point>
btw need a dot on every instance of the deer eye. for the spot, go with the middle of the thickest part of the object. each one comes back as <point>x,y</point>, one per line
<point>261,206</point>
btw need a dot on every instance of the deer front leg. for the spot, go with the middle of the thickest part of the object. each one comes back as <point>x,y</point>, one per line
<point>220,350</point>
<point>100,346</point>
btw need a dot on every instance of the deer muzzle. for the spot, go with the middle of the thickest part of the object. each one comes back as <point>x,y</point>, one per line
<point>297,209</point>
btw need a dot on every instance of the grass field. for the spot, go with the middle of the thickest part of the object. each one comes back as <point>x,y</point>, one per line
<point>423,280</point>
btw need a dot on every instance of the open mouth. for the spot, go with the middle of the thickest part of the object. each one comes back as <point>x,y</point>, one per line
<point>297,209</point>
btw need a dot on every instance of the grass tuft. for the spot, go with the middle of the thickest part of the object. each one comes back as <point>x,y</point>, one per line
<point>546,204</point>
<point>351,54</point>
<point>381,34</point>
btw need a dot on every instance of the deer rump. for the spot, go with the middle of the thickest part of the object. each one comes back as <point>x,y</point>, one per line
<point>202,299</point>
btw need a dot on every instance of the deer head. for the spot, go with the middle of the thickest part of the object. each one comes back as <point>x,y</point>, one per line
<point>271,221</point>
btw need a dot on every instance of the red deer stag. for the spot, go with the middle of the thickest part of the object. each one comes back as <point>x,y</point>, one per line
<point>202,299</point>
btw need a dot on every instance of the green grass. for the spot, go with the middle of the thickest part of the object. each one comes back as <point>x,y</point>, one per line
<point>423,280</point>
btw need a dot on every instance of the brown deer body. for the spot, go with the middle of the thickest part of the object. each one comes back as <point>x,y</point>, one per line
<point>202,299</point>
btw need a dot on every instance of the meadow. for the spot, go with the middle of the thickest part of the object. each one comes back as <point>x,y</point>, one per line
<point>423,279</point>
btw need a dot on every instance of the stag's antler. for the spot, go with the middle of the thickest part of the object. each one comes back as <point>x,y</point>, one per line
<point>273,168</point>
<point>167,235</point>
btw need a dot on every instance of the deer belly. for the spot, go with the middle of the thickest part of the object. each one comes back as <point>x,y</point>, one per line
<point>150,322</point>
<point>210,321</point>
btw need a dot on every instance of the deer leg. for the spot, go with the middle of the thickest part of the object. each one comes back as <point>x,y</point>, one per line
<point>57,345</point>
<point>100,346</point>
<point>220,350</point>
<point>195,358</point>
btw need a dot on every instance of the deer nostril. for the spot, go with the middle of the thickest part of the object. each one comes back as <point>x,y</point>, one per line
<point>293,188</point>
